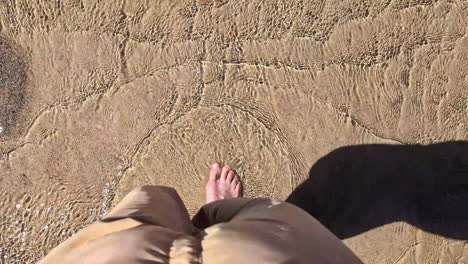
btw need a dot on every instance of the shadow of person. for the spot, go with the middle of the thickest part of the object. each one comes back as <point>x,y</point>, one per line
<point>357,188</point>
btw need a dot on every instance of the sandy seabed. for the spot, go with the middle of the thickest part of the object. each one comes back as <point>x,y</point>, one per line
<point>98,97</point>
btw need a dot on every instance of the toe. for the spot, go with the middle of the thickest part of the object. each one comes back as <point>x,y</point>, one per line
<point>237,188</point>
<point>230,176</point>
<point>214,172</point>
<point>235,181</point>
<point>225,172</point>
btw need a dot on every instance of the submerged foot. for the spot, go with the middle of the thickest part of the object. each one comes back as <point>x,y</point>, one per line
<point>222,183</point>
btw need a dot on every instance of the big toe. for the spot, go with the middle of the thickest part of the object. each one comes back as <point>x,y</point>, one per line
<point>214,172</point>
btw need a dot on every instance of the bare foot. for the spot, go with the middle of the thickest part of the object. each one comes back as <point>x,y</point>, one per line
<point>222,184</point>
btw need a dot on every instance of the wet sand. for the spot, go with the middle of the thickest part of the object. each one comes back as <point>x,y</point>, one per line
<point>97,97</point>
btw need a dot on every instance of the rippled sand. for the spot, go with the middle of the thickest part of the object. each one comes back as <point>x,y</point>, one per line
<point>97,97</point>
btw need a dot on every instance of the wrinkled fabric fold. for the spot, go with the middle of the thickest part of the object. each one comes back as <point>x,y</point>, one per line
<point>151,225</point>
